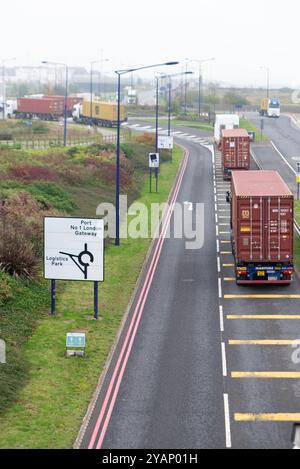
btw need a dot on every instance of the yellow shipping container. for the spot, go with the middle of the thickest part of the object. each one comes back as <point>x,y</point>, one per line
<point>103,111</point>
<point>265,104</point>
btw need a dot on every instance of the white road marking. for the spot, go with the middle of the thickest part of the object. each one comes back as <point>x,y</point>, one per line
<point>220,288</point>
<point>227,422</point>
<point>219,265</point>
<point>284,159</point>
<point>221,319</point>
<point>224,361</point>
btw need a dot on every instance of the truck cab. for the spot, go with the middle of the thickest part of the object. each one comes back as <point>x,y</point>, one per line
<point>270,107</point>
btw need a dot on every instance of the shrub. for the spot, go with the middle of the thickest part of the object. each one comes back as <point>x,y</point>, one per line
<point>21,236</point>
<point>128,150</point>
<point>27,173</point>
<point>148,139</point>
<point>5,288</point>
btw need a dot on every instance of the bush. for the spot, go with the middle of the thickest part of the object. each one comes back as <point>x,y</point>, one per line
<point>21,236</point>
<point>27,173</point>
<point>148,139</point>
<point>5,288</point>
<point>128,150</point>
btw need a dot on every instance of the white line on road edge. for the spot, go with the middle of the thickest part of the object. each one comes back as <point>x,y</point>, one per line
<point>284,159</point>
<point>220,288</point>
<point>224,361</point>
<point>227,422</point>
<point>221,319</point>
<point>217,231</point>
<point>218,246</point>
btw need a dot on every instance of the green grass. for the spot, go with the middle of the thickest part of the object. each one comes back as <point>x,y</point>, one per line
<point>51,405</point>
<point>184,123</point>
<point>247,125</point>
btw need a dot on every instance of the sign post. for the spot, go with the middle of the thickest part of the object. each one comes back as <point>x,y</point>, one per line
<point>166,143</point>
<point>74,250</point>
<point>154,164</point>
<point>262,126</point>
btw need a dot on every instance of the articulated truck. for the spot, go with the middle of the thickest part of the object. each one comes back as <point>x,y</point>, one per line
<point>270,107</point>
<point>262,228</point>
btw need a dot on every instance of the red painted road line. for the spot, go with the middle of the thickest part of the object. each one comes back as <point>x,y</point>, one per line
<point>118,385</point>
<point>153,263</point>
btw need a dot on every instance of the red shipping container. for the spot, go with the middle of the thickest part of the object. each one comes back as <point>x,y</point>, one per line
<point>71,101</point>
<point>235,148</point>
<point>262,215</point>
<point>41,106</point>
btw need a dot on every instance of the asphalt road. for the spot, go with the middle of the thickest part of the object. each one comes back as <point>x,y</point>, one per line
<point>188,377</point>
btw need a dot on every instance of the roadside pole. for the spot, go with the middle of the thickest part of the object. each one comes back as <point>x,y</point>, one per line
<point>298,180</point>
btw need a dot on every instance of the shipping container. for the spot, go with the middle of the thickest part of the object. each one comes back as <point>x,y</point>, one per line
<point>235,149</point>
<point>98,113</point>
<point>44,108</point>
<point>262,222</point>
<point>71,101</point>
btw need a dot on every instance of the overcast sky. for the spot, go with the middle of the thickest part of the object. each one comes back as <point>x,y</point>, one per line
<point>241,35</point>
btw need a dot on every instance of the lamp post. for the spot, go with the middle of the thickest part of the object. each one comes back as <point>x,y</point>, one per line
<point>170,94</point>
<point>66,95</point>
<point>91,84</point>
<point>3,84</point>
<point>267,70</point>
<point>120,73</point>
<point>200,63</point>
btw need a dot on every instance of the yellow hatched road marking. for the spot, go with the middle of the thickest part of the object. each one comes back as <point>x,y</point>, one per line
<point>228,265</point>
<point>229,279</point>
<point>225,242</point>
<point>224,232</point>
<point>261,297</point>
<point>264,342</point>
<point>225,253</point>
<point>267,417</point>
<point>265,317</point>
<point>266,375</point>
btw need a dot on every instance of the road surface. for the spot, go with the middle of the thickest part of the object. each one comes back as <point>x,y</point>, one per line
<point>201,362</point>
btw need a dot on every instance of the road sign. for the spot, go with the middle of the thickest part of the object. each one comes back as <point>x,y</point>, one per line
<point>165,143</point>
<point>298,178</point>
<point>154,160</point>
<point>76,340</point>
<point>74,249</point>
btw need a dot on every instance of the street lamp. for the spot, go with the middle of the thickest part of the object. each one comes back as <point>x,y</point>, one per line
<point>45,62</point>
<point>267,69</point>
<point>118,168</point>
<point>3,83</point>
<point>200,63</point>
<point>170,94</point>
<point>91,84</point>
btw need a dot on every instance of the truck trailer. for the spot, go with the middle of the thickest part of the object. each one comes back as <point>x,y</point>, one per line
<point>235,150</point>
<point>262,228</point>
<point>98,113</point>
<point>270,107</point>
<point>225,122</point>
<point>46,108</point>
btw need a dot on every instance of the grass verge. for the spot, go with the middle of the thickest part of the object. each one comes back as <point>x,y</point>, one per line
<point>51,405</point>
<point>246,124</point>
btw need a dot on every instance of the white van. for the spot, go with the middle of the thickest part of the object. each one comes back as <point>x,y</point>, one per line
<point>225,122</point>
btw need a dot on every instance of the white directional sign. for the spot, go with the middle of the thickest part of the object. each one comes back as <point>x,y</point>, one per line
<point>74,249</point>
<point>165,143</point>
<point>154,160</point>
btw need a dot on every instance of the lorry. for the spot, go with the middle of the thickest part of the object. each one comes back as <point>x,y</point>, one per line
<point>235,150</point>
<point>49,108</point>
<point>262,228</point>
<point>270,107</point>
<point>225,121</point>
<point>98,113</point>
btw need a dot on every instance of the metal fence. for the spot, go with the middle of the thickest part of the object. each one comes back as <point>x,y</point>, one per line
<point>72,141</point>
